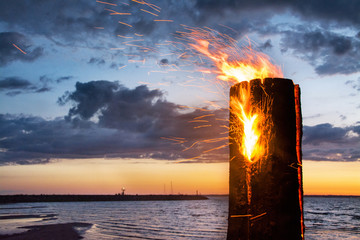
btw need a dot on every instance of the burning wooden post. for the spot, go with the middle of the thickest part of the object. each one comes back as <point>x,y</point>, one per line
<point>265,200</point>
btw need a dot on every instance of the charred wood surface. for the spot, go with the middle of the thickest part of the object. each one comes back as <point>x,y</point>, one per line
<point>265,199</point>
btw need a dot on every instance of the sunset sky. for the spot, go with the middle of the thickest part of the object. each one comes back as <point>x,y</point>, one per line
<point>100,95</point>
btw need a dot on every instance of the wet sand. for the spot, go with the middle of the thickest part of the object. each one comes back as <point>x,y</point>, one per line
<point>25,216</point>
<point>63,231</point>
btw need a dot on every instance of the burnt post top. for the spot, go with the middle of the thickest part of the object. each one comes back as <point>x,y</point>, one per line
<point>269,82</point>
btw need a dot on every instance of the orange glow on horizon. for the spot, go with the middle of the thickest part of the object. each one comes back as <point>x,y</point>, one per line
<point>99,176</point>
<point>331,178</point>
<point>108,176</point>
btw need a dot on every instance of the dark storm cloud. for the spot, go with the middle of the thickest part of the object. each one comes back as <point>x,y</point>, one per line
<point>77,21</point>
<point>143,25</point>
<point>52,18</point>
<point>164,62</point>
<point>34,140</point>
<point>83,22</point>
<point>324,133</point>
<point>328,143</point>
<point>108,120</point>
<point>336,10</point>
<point>130,123</point>
<point>96,61</point>
<point>330,53</point>
<point>266,45</point>
<point>92,25</point>
<point>13,86</point>
<point>76,24</point>
<point>115,65</point>
<point>139,110</point>
<point>89,97</point>
<point>68,22</point>
<point>10,83</point>
<point>43,89</point>
<point>63,79</point>
<point>9,53</point>
<point>45,80</point>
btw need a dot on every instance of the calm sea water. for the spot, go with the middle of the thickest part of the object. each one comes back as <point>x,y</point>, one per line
<point>325,218</point>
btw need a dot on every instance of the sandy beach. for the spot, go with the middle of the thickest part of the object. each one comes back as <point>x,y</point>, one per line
<point>48,232</point>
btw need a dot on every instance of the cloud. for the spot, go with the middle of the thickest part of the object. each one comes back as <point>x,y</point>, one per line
<point>115,65</point>
<point>329,52</point>
<point>11,83</point>
<point>108,120</point>
<point>63,79</point>
<point>354,84</point>
<point>9,52</point>
<point>343,117</point>
<point>143,25</point>
<point>101,62</point>
<point>96,61</point>
<point>315,39</point>
<point>65,19</point>
<point>323,133</point>
<point>89,97</point>
<point>333,10</point>
<point>43,89</point>
<point>324,142</point>
<point>78,24</point>
<point>266,45</point>
<point>139,110</point>
<point>164,62</point>
<point>13,86</point>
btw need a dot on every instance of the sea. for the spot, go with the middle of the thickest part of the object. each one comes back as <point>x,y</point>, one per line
<point>325,218</point>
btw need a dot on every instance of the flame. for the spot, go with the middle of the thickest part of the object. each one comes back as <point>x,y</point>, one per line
<point>247,125</point>
<point>235,65</point>
<point>250,64</point>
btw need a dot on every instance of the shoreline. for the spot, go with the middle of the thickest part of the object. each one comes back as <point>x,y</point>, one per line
<point>23,198</point>
<point>51,231</point>
<point>32,198</point>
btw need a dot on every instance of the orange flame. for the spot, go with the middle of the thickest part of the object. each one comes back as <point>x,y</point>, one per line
<point>247,125</point>
<point>249,65</point>
<point>236,65</point>
<point>250,128</point>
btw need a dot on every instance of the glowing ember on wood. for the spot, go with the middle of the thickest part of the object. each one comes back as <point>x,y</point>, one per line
<point>248,124</point>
